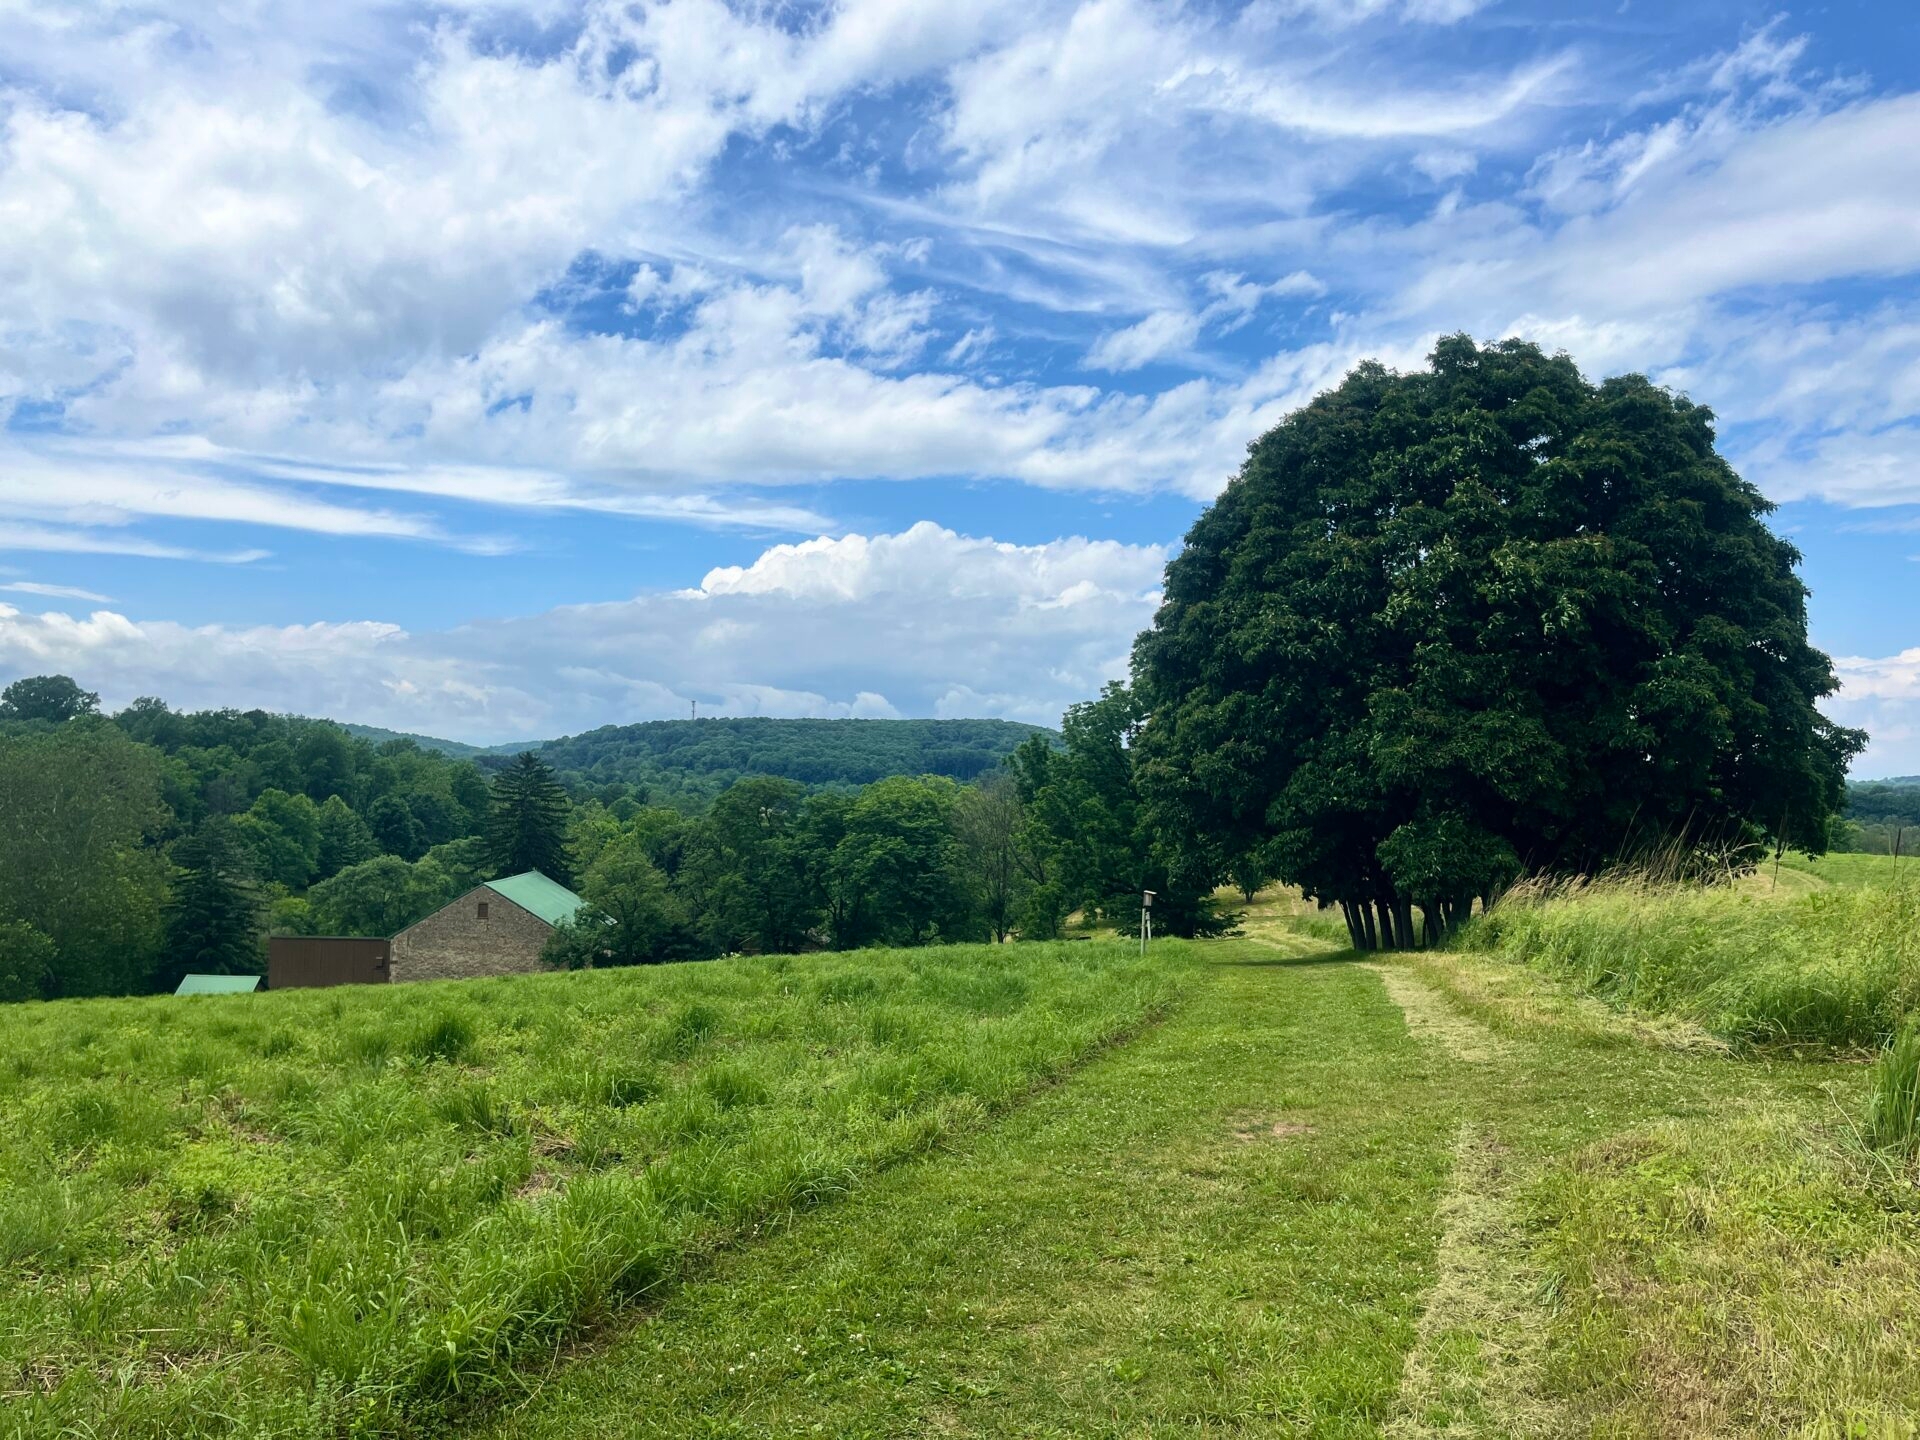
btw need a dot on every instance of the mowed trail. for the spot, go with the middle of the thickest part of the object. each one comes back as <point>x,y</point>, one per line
<point>1295,1206</point>
<point>1228,1226</point>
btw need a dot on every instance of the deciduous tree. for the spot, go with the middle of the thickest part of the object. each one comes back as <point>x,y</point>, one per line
<point>1487,617</point>
<point>52,698</point>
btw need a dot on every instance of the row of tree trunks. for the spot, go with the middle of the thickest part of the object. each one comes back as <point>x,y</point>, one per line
<point>1387,923</point>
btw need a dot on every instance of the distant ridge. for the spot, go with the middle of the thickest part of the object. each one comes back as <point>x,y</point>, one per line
<point>458,749</point>
<point>704,756</point>
<point>693,760</point>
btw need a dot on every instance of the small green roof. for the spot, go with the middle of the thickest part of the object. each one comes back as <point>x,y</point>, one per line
<point>218,985</point>
<point>537,895</point>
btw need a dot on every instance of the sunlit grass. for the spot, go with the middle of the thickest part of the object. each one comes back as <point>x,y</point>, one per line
<point>316,1211</point>
<point>1836,966</point>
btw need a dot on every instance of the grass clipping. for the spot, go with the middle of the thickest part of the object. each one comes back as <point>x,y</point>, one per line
<point>365,1210</point>
<point>1477,1367</point>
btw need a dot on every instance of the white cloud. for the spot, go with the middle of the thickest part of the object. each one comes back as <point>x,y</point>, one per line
<point>859,625</point>
<point>55,592</point>
<point>55,539</point>
<point>1882,696</point>
<point>1164,332</point>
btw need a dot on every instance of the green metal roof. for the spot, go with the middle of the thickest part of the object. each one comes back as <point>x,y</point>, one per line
<point>536,894</point>
<point>218,985</point>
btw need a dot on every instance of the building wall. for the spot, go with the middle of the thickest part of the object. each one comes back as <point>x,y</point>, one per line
<point>454,943</point>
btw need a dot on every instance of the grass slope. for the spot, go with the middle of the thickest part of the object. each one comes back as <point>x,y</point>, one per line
<point>306,1212</point>
<point>1836,965</point>
<point>1300,1206</point>
<point>1440,1194</point>
<point>1225,1226</point>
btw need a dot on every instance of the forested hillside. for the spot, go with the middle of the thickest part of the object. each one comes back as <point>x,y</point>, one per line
<point>153,843</point>
<point>1879,814</point>
<point>672,760</point>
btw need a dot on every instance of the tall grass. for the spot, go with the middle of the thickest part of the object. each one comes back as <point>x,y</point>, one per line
<point>1893,1108</point>
<point>1833,967</point>
<point>359,1211</point>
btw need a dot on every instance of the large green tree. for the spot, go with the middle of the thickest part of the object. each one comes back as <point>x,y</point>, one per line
<point>633,916</point>
<point>1448,626</point>
<point>746,861</point>
<point>990,824</point>
<point>79,808</point>
<point>53,698</point>
<point>527,821</point>
<point>282,833</point>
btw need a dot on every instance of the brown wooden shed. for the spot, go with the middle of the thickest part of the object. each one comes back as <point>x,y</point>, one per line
<point>296,962</point>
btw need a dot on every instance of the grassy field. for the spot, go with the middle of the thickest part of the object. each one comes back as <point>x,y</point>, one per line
<point>1441,1195</point>
<point>364,1210</point>
<point>1847,870</point>
<point>1299,1194</point>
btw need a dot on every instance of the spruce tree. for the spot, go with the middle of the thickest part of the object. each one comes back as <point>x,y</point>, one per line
<point>527,821</point>
<point>213,916</point>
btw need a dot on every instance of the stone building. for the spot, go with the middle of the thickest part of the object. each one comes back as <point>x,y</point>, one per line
<point>494,929</point>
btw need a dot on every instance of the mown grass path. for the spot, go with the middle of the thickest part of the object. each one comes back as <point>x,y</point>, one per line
<point>1227,1226</point>
<point>1323,1198</point>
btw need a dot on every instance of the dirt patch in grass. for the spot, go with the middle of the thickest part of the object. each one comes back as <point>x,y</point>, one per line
<point>1258,1129</point>
<point>1433,1020</point>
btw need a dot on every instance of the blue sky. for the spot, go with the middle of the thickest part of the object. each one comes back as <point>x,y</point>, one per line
<point>502,370</point>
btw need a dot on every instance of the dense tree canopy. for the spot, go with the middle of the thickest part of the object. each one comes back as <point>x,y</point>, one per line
<point>54,699</point>
<point>1448,626</point>
<point>79,808</point>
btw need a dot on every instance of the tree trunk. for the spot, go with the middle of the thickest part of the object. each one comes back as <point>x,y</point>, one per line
<point>1366,916</point>
<point>1354,932</point>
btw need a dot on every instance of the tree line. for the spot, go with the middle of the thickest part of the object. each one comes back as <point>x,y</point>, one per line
<point>153,843</point>
<point>1881,814</point>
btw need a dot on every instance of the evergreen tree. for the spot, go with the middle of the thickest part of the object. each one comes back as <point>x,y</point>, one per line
<point>213,916</point>
<point>344,838</point>
<point>527,821</point>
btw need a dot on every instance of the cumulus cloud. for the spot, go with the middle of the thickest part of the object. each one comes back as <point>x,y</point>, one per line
<point>1882,696</point>
<point>925,621</point>
<point>370,269</point>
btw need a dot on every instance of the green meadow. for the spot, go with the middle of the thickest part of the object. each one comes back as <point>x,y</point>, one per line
<point>365,1210</point>
<point>1257,1186</point>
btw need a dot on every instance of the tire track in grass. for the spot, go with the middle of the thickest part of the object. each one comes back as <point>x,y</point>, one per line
<point>1225,1227</point>
<point>1431,1018</point>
